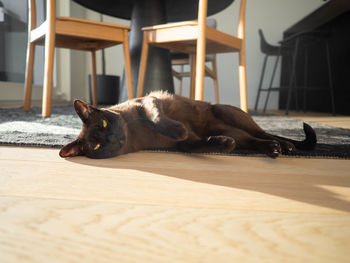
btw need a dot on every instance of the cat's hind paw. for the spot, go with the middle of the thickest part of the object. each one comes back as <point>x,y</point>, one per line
<point>273,149</point>
<point>287,147</point>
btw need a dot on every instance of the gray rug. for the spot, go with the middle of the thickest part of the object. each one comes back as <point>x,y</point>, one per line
<point>30,129</point>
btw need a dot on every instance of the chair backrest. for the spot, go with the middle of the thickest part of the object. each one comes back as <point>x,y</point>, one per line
<point>32,15</point>
<point>263,42</point>
<point>202,14</point>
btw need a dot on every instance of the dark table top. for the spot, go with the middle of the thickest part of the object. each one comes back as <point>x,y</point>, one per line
<point>319,17</point>
<point>176,10</point>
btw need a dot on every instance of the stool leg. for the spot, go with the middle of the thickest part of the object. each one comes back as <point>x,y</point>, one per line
<point>330,77</point>
<point>271,82</point>
<point>292,76</point>
<point>305,77</point>
<point>296,92</point>
<point>260,83</point>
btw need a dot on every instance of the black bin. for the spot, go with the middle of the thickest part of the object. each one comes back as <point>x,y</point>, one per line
<point>107,89</point>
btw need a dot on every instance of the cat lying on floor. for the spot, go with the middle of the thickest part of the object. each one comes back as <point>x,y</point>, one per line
<point>162,120</point>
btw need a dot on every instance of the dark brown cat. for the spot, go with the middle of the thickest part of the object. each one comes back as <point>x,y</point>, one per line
<point>162,120</point>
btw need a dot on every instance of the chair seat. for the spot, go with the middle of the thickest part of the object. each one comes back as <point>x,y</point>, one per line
<point>266,48</point>
<point>185,35</point>
<point>81,34</point>
<point>271,50</point>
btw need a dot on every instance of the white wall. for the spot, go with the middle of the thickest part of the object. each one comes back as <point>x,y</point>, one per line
<point>273,16</point>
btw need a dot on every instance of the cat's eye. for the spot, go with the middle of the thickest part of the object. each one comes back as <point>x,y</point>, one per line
<point>104,123</point>
<point>97,147</point>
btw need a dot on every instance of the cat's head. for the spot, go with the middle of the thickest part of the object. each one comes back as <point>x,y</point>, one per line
<point>102,134</point>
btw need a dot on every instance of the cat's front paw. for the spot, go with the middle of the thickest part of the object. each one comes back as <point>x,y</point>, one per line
<point>224,143</point>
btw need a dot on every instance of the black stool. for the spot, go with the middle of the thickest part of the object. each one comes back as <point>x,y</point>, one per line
<point>290,48</point>
<point>269,51</point>
<point>303,42</point>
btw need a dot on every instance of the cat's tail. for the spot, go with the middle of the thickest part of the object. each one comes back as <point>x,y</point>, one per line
<point>308,143</point>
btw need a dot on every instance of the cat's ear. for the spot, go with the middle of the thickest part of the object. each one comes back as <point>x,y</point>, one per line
<point>83,109</point>
<point>72,149</point>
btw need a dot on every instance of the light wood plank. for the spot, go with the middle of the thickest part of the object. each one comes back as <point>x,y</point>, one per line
<point>39,230</point>
<point>206,181</point>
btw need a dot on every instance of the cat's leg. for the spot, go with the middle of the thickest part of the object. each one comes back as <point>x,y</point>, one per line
<point>219,144</point>
<point>244,140</point>
<point>151,114</point>
<point>236,118</point>
<point>286,147</point>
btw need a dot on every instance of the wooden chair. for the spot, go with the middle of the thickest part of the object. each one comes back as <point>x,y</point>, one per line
<point>72,33</point>
<point>197,39</point>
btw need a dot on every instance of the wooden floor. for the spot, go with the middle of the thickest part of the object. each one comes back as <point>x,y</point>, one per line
<point>169,207</point>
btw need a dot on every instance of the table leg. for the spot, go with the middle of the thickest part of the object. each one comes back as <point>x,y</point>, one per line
<point>158,74</point>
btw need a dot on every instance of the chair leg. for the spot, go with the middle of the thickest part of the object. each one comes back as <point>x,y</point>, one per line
<point>93,78</point>
<point>215,80</point>
<point>200,50</point>
<point>143,65</point>
<point>260,83</point>
<point>271,82</point>
<point>193,75</point>
<point>48,74</point>
<point>200,71</point>
<point>242,75</point>
<point>29,76</point>
<point>127,60</point>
